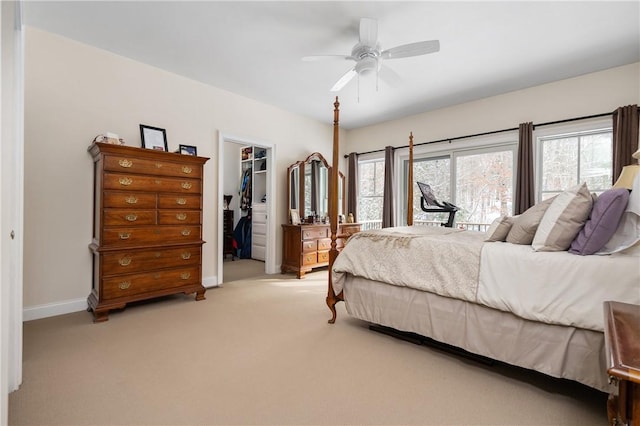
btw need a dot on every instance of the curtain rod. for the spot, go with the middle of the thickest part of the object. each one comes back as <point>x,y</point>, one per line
<point>604,114</point>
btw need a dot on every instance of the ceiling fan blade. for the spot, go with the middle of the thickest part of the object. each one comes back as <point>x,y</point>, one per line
<point>344,80</point>
<point>314,58</point>
<point>368,32</point>
<point>412,49</point>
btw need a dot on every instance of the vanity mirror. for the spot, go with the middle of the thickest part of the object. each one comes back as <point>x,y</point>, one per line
<point>308,187</point>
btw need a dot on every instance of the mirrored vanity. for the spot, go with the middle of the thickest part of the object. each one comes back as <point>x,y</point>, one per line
<point>307,236</point>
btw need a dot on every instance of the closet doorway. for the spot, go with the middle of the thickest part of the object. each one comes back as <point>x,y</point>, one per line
<point>242,162</point>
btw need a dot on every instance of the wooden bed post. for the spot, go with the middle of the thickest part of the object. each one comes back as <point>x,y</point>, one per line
<point>410,183</point>
<point>332,298</point>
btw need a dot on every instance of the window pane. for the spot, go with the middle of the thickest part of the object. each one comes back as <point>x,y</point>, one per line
<point>370,193</point>
<point>559,163</point>
<point>596,161</point>
<point>484,186</point>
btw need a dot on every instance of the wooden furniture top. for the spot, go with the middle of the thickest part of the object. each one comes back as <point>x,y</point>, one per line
<point>622,328</point>
<point>100,147</point>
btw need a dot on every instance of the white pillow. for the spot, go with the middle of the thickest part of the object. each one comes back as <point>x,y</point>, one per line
<point>499,229</point>
<point>563,220</point>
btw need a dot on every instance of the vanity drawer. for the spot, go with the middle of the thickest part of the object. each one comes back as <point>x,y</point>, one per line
<point>324,244</point>
<point>309,246</point>
<point>323,257</point>
<point>126,262</point>
<point>348,230</point>
<point>133,284</point>
<point>152,167</point>
<point>310,258</point>
<point>313,233</point>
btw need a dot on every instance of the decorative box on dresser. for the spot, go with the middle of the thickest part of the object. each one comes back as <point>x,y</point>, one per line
<point>307,246</point>
<point>147,234</point>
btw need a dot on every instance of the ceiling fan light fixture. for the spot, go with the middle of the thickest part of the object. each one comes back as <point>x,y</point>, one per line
<point>366,65</point>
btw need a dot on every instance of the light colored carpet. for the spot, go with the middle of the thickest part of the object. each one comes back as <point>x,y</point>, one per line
<point>261,352</point>
<point>241,269</point>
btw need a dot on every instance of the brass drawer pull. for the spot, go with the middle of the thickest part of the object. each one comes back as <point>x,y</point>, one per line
<point>131,199</point>
<point>186,255</point>
<point>181,201</point>
<point>185,275</point>
<point>157,276</point>
<point>186,232</point>
<point>158,182</point>
<point>124,285</point>
<point>158,254</point>
<point>125,163</point>
<point>181,216</point>
<point>124,261</point>
<point>125,181</point>
<point>124,235</point>
<point>158,165</point>
<point>131,217</point>
<point>186,169</point>
<point>186,185</point>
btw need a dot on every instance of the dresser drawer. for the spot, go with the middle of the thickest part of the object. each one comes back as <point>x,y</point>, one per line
<point>175,217</point>
<point>151,167</point>
<point>310,258</point>
<point>324,244</point>
<point>314,233</point>
<point>113,217</point>
<point>348,230</point>
<point>309,246</point>
<point>133,284</point>
<point>323,256</point>
<point>127,262</point>
<point>151,183</point>
<point>127,200</point>
<point>174,201</point>
<point>116,237</point>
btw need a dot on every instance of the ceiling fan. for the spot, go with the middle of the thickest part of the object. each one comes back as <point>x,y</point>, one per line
<point>368,54</point>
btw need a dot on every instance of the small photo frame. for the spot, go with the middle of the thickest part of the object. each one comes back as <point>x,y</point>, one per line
<point>188,150</point>
<point>295,217</point>
<point>153,138</point>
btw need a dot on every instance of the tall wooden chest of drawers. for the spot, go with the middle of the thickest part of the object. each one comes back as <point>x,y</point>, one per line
<point>307,246</point>
<point>147,233</point>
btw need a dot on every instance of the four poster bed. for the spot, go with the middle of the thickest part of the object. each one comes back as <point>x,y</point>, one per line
<point>537,310</point>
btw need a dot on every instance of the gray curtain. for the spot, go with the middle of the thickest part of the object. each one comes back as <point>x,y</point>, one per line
<point>352,186</point>
<point>525,196</point>
<point>625,137</point>
<point>387,208</point>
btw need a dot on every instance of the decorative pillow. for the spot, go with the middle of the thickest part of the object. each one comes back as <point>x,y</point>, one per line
<point>525,225</point>
<point>563,220</point>
<point>499,229</point>
<point>603,222</point>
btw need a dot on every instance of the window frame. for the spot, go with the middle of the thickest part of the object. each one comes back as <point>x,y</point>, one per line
<point>560,130</point>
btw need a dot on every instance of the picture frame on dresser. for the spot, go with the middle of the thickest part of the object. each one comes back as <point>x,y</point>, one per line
<point>295,217</point>
<point>187,150</point>
<point>153,138</point>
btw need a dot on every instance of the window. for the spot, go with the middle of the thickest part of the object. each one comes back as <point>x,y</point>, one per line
<point>570,159</point>
<point>484,186</point>
<point>370,193</point>
<point>479,181</point>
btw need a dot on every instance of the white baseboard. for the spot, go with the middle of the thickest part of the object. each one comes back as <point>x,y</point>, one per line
<point>76,305</point>
<point>54,309</point>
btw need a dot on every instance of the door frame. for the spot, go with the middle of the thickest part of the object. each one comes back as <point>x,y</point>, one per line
<point>270,258</point>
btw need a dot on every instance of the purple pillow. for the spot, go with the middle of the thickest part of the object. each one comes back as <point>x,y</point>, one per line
<point>603,222</point>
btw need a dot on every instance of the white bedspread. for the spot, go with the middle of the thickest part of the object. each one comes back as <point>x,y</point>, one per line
<point>551,287</point>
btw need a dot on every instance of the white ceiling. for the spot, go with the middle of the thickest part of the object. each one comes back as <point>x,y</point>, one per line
<point>255,48</point>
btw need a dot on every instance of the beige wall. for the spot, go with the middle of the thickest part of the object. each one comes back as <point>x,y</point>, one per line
<point>74,92</point>
<point>576,97</point>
